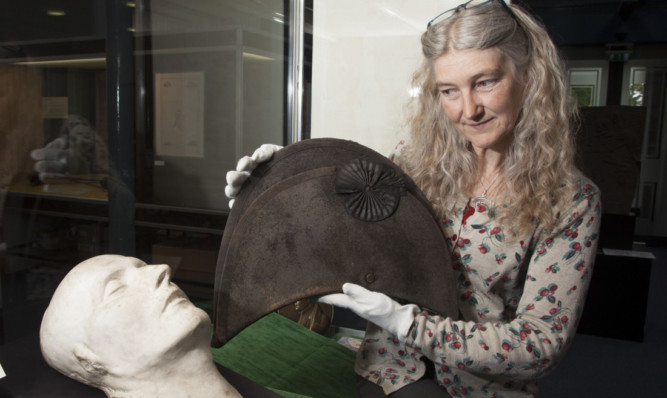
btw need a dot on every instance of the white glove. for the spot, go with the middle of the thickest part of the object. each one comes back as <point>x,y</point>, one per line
<point>57,159</point>
<point>245,166</point>
<point>375,307</point>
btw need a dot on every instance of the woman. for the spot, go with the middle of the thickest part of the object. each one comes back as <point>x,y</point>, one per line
<point>492,148</point>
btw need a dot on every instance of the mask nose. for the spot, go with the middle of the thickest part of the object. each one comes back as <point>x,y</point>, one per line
<point>161,274</point>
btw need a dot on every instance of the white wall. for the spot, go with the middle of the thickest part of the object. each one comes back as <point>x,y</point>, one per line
<point>364,55</point>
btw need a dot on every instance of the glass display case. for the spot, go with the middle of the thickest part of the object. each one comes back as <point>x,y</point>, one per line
<point>142,106</point>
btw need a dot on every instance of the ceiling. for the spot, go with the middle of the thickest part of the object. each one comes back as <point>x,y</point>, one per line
<point>26,27</point>
<point>595,22</point>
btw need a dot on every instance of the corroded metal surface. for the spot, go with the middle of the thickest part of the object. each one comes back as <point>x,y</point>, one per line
<point>289,236</point>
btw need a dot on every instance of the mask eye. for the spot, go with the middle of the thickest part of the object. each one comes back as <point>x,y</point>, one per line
<point>113,288</point>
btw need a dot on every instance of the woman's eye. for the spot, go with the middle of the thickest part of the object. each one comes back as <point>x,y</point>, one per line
<point>447,92</point>
<point>486,83</point>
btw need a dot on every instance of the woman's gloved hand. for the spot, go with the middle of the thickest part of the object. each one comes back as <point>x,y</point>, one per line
<point>245,166</point>
<point>375,307</point>
<point>57,158</point>
<point>77,150</point>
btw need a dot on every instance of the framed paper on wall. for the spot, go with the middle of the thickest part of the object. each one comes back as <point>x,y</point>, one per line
<point>179,114</point>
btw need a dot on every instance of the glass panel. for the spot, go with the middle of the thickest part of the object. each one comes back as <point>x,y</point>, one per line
<point>52,85</point>
<point>655,89</point>
<point>364,55</point>
<point>217,73</point>
<point>637,85</point>
<point>214,78</point>
<point>208,86</point>
<point>585,86</point>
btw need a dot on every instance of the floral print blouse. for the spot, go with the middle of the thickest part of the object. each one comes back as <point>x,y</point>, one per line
<point>520,301</point>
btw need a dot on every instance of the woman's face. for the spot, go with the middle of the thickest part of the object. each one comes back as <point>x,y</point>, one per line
<point>480,95</point>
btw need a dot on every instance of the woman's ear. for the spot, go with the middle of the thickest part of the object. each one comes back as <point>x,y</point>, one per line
<point>89,361</point>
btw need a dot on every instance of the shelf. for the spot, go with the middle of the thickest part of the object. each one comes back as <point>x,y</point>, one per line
<point>33,203</point>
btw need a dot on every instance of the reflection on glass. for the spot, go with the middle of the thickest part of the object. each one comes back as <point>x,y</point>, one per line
<point>20,121</point>
<point>637,83</point>
<point>224,60</point>
<point>585,86</point>
<point>216,73</point>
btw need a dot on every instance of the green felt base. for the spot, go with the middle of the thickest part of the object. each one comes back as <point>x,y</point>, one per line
<point>290,359</point>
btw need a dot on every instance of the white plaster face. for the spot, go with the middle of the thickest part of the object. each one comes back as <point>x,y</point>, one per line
<point>120,325</point>
<point>125,312</point>
<point>140,317</point>
<point>480,95</point>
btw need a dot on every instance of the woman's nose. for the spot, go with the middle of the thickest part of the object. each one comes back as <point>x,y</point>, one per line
<point>471,106</point>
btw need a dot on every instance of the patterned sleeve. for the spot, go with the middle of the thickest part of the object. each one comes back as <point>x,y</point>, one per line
<point>530,342</point>
<point>397,154</point>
